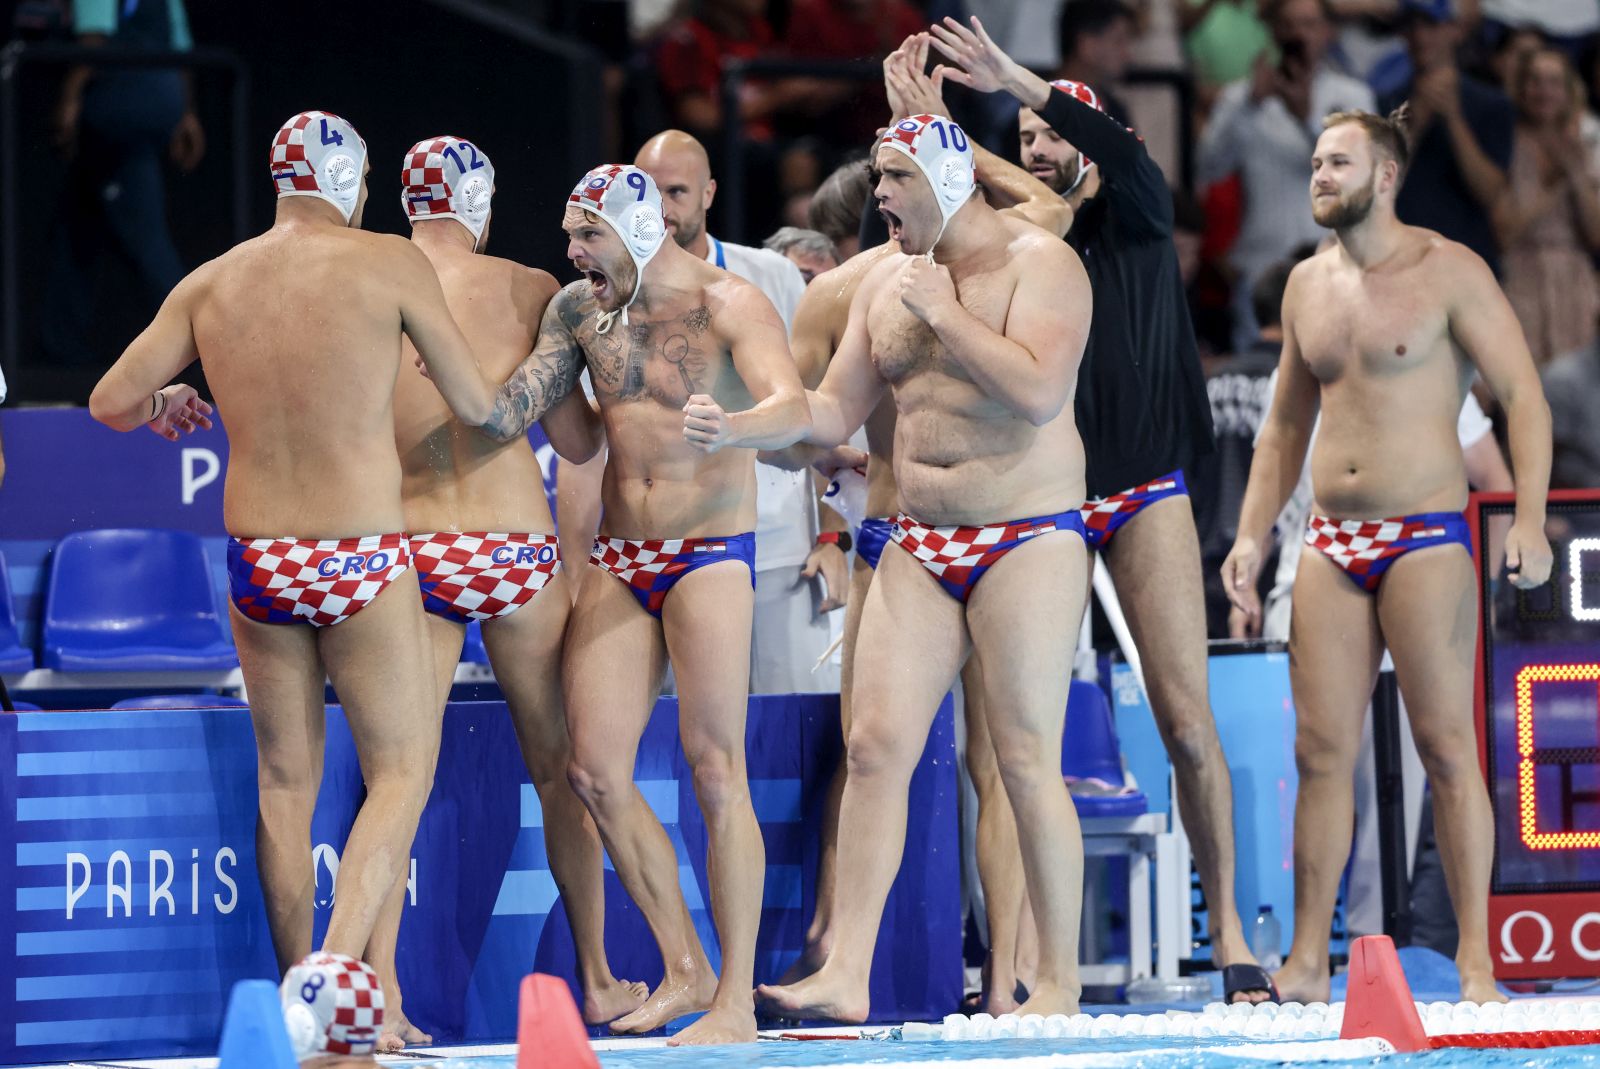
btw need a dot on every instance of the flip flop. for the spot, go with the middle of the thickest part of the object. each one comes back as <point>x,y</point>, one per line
<point>1246,977</point>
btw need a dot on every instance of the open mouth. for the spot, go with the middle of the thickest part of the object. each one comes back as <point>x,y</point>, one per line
<point>896,227</point>
<point>599,284</point>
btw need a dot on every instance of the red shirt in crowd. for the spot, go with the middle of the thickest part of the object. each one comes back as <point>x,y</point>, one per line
<point>691,56</point>
<point>851,29</point>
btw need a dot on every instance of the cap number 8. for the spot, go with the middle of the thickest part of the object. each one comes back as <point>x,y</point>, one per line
<point>309,989</point>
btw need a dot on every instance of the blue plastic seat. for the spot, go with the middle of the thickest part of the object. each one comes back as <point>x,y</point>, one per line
<point>133,600</point>
<point>1091,757</point>
<point>183,701</point>
<point>14,656</point>
<point>473,650</point>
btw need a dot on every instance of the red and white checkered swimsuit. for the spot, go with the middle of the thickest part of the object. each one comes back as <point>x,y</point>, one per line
<point>307,581</point>
<point>478,576</point>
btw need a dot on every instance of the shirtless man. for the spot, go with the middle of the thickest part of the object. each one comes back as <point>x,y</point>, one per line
<point>1383,331</point>
<point>1144,416</point>
<point>977,329</point>
<point>299,331</point>
<point>484,545</point>
<point>819,328</point>
<point>692,372</point>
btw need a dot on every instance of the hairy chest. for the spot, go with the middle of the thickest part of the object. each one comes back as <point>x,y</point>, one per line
<point>905,346</point>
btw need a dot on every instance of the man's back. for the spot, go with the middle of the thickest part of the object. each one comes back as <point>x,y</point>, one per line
<point>455,478</point>
<point>299,334</point>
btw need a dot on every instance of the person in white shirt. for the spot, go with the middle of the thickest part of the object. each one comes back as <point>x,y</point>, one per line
<point>1263,129</point>
<point>791,631</point>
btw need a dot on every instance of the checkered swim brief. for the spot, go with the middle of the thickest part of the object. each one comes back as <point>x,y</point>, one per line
<point>1102,516</point>
<point>959,556</point>
<point>1365,549</point>
<point>305,581</point>
<point>875,533</point>
<point>481,576</point>
<point>652,567</point>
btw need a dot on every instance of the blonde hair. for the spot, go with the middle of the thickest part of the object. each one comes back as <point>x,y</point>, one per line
<point>1389,134</point>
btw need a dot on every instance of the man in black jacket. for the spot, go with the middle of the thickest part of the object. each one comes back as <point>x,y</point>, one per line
<point>1144,416</point>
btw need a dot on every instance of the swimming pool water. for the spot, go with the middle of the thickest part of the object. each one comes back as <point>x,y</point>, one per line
<point>1041,1054</point>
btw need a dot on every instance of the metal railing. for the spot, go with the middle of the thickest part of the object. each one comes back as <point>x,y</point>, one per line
<point>14,58</point>
<point>735,73</point>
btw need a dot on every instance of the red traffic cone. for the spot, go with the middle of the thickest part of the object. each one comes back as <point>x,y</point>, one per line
<point>550,1032</point>
<point>1379,1002</point>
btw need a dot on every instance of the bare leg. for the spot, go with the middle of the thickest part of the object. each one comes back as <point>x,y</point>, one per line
<point>379,663</point>
<point>612,667</point>
<point>819,935</point>
<point>1428,606</point>
<point>911,644</point>
<point>284,676</point>
<point>525,650</point>
<point>1024,612</point>
<point>444,640</point>
<point>1155,562</point>
<point>1334,650</point>
<point>999,853</point>
<point>707,620</point>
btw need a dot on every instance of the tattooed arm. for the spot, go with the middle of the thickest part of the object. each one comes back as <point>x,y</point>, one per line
<point>542,380</point>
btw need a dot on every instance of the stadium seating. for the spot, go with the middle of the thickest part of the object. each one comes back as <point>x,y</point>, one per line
<point>14,657</point>
<point>183,701</point>
<point>473,651</point>
<point>133,600</point>
<point>1091,757</point>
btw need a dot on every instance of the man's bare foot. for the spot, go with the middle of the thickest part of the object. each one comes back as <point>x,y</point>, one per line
<point>677,996</point>
<point>613,999</point>
<point>818,995</point>
<point>999,994</point>
<point>399,1033</point>
<point>1296,983</point>
<point>1477,985</point>
<point>812,958</point>
<point>1047,998</point>
<point>721,1024</point>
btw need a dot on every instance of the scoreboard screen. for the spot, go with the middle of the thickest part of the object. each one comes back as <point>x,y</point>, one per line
<point>1539,725</point>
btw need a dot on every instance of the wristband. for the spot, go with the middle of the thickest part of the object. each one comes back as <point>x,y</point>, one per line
<point>841,539</point>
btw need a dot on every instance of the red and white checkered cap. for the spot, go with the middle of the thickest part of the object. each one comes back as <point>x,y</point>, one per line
<point>448,178</point>
<point>626,198</point>
<point>318,154</point>
<point>332,1004</point>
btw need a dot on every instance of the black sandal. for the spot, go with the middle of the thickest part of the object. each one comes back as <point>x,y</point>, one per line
<point>1237,979</point>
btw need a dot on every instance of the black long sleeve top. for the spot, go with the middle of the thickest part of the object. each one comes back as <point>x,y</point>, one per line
<point>1141,404</point>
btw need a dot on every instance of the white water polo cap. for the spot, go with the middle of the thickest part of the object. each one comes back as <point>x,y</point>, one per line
<point>627,199</point>
<point>1084,94</point>
<point>332,1004</point>
<point>940,150</point>
<point>318,154</point>
<point>448,178</point>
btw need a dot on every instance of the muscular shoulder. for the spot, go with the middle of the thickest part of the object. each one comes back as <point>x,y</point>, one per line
<point>1033,250</point>
<point>729,296</point>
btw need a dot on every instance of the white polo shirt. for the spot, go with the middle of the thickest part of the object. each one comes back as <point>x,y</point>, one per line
<point>2,387</point>
<point>786,507</point>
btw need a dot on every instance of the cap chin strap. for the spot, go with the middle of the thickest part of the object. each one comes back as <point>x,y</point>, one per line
<point>604,321</point>
<point>1083,172</point>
